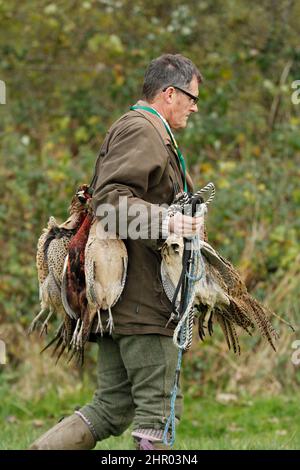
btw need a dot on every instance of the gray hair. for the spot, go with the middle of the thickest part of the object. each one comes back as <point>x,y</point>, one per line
<point>167,70</point>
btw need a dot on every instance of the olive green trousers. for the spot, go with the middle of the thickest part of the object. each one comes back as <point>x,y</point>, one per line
<point>135,380</point>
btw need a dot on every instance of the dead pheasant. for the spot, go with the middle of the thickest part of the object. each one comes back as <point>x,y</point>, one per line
<point>52,249</point>
<point>105,270</point>
<point>74,289</point>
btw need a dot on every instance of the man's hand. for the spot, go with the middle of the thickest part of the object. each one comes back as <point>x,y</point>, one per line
<point>186,226</point>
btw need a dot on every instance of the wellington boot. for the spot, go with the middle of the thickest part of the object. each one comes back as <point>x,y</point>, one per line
<point>71,433</point>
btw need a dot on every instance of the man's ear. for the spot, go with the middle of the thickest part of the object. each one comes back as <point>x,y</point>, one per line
<point>169,94</point>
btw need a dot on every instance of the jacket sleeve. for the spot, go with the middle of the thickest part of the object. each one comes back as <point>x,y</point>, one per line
<point>133,163</point>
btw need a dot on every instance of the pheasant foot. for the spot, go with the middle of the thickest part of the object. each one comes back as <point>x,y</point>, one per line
<point>74,337</point>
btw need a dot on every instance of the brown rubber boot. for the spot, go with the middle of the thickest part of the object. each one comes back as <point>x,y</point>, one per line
<point>71,433</point>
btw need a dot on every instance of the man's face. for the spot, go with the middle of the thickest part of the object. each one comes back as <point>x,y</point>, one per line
<point>182,105</point>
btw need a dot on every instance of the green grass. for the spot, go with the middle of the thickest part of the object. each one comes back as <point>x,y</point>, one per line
<point>248,423</point>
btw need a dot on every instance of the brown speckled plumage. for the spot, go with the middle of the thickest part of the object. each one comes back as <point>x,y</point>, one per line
<point>220,296</point>
<point>52,249</point>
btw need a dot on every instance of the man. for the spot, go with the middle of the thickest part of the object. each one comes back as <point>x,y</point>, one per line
<point>139,161</point>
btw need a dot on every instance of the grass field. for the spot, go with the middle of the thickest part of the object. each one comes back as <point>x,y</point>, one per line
<point>247,423</point>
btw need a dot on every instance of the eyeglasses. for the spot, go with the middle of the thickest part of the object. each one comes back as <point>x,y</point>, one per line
<point>192,97</point>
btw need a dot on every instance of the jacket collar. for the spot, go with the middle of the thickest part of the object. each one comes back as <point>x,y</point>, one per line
<point>156,121</point>
<point>159,125</point>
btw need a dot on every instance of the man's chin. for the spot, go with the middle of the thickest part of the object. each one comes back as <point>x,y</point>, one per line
<point>180,126</point>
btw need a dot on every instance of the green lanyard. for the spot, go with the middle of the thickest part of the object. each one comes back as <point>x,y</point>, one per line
<point>179,154</point>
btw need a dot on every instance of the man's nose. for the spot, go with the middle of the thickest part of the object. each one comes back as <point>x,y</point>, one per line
<point>194,108</point>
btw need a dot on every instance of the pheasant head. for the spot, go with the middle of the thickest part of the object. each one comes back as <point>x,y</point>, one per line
<point>78,208</point>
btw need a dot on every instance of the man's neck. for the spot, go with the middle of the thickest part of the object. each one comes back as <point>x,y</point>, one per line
<point>158,108</point>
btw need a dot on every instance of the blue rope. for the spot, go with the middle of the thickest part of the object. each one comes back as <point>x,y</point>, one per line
<point>195,262</point>
<point>171,419</point>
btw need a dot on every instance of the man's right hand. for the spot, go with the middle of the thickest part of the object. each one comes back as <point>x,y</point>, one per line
<point>186,226</point>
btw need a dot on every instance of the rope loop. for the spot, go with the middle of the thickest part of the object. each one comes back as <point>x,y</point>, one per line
<point>195,271</point>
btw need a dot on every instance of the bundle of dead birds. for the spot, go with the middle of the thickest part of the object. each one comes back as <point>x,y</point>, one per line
<point>81,270</point>
<point>220,294</point>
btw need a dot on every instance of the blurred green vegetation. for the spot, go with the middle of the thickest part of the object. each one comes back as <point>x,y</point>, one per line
<point>72,67</point>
